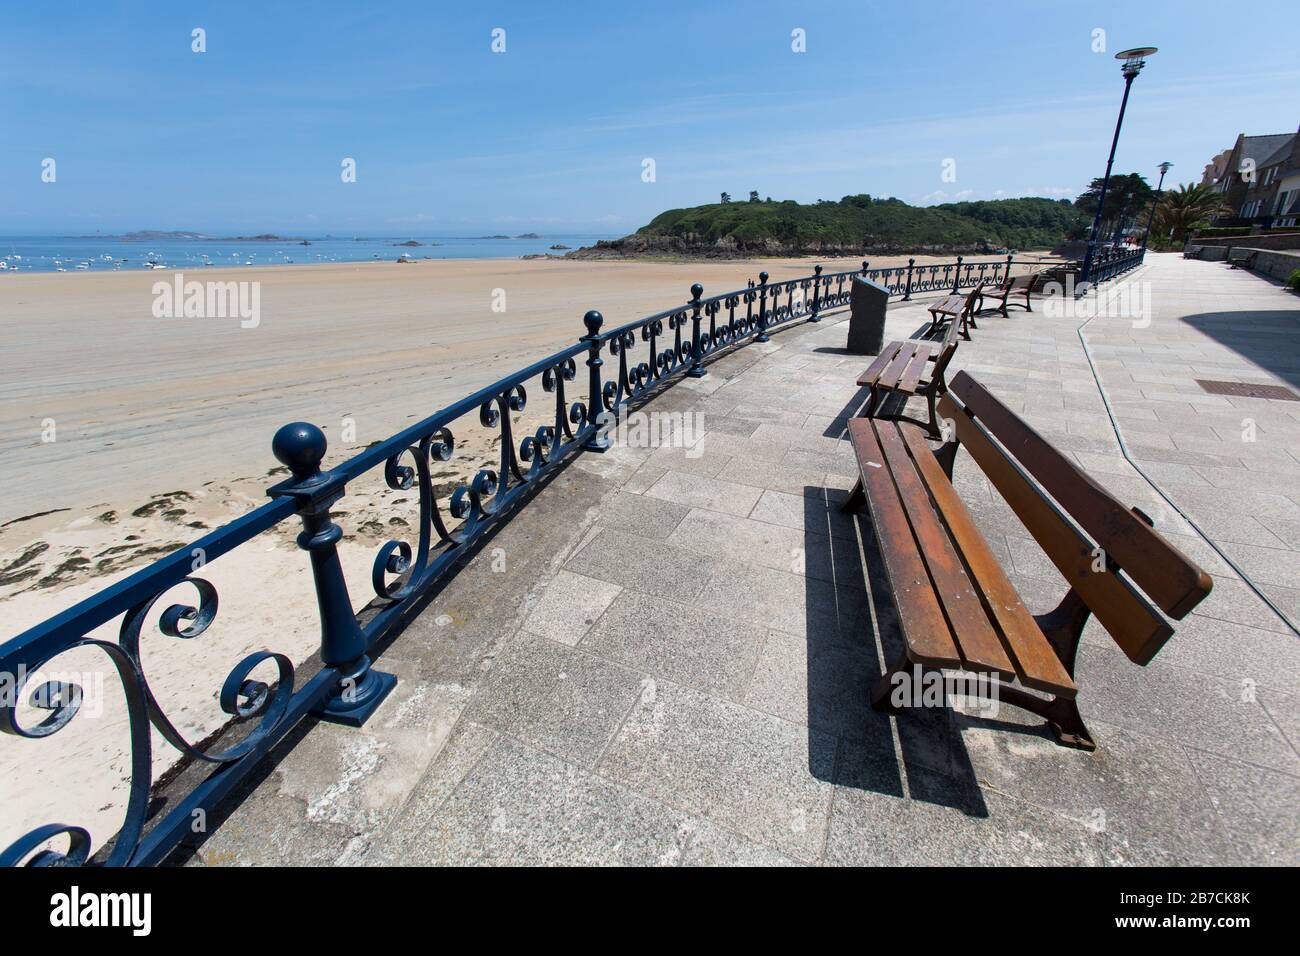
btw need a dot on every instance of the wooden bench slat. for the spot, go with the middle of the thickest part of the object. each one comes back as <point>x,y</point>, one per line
<point>981,648</point>
<point>929,638</point>
<point>889,378</point>
<point>1131,620</point>
<point>1037,665</point>
<point>1170,578</point>
<point>915,369</point>
<point>875,368</point>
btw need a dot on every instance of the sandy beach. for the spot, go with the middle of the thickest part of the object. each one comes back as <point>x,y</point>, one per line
<point>143,405</point>
<point>162,431</point>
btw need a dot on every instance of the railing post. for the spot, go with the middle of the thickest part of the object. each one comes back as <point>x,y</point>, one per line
<point>301,447</point>
<point>599,441</point>
<point>907,294</point>
<point>865,264</point>
<point>817,284</point>
<point>956,279</point>
<point>762,309</point>
<point>1007,277</point>
<point>697,369</point>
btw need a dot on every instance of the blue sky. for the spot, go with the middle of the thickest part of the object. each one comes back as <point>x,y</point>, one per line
<point>452,139</point>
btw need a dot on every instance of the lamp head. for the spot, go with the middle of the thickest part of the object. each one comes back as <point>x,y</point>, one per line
<point>1164,168</point>
<point>1134,59</point>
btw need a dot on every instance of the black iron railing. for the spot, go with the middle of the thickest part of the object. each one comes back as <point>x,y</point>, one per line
<point>644,354</point>
<point>1112,264</point>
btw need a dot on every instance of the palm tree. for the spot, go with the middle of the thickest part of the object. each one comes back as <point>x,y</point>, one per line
<point>1185,209</point>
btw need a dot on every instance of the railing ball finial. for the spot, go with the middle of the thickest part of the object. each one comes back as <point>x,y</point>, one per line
<point>697,290</point>
<point>817,270</point>
<point>300,446</point>
<point>593,320</point>
<point>762,278</point>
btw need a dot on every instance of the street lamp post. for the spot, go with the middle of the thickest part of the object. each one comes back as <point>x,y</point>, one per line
<point>1164,168</point>
<point>1134,60</point>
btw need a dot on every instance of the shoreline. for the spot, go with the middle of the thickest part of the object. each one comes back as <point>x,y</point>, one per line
<point>650,259</point>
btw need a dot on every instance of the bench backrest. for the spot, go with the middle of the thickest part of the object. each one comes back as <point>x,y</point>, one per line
<point>946,351</point>
<point>1025,281</point>
<point>1135,571</point>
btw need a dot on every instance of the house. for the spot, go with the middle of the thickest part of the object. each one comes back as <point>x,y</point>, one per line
<point>1258,170</point>
<point>1216,167</point>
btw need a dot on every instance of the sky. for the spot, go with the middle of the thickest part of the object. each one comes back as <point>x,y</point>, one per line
<point>552,135</point>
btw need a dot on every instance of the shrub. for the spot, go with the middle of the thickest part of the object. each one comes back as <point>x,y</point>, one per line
<point>1294,280</point>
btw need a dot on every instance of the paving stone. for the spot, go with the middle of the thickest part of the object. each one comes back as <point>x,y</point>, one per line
<point>568,605</point>
<point>777,476</point>
<point>640,514</point>
<point>1233,601</point>
<point>690,461</point>
<point>1140,792</point>
<point>721,444</point>
<point>644,564</point>
<point>788,602</point>
<point>677,642</point>
<point>521,807</point>
<point>817,514</point>
<point>940,821</point>
<point>1257,808</point>
<point>1234,652</point>
<point>715,494</point>
<point>767,778</point>
<point>564,701</point>
<point>767,545</point>
<point>644,478</point>
<point>1209,711</point>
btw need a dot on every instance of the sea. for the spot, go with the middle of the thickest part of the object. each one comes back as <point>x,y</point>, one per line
<point>109,254</point>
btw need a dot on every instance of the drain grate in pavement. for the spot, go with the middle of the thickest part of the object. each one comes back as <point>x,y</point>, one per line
<point>1248,390</point>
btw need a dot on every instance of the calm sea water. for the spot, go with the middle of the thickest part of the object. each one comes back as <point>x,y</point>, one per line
<point>54,254</point>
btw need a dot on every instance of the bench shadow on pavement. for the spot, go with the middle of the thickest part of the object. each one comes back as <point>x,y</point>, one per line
<point>852,628</point>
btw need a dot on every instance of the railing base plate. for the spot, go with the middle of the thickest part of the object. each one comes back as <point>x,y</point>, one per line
<point>375,687</point>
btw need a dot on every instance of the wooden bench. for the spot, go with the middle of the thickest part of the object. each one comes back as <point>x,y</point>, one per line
<point>1016,285</point>
<point>955,308</point>
<point>956,606</point>
<point>911,367</point>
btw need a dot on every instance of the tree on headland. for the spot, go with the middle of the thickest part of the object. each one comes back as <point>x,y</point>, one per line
<point>862,222</point>
<point>726,198</point>
<point>1126,196</point>
<point>753,195</point>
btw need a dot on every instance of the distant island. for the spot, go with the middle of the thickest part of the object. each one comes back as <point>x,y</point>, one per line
<point>151,235</point>
<point>856,225</point>
<point>264,237</point>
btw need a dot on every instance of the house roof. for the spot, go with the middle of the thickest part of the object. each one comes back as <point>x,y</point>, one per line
<point>1266,150</point>
<point>1281,154</point>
